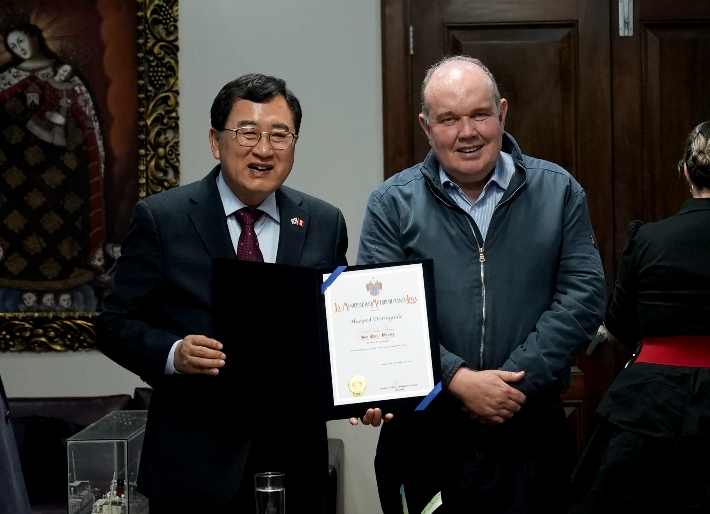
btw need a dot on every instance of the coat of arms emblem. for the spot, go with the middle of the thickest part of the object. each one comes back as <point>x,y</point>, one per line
<point>373,287</point>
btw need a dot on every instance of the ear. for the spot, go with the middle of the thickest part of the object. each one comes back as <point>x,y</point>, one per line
<point>425,127</point>
<point>503,111</point>
<point>214,142</point>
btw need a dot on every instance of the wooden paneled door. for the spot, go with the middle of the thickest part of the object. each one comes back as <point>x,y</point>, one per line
<point>661,84</point>
<point>613,110</point>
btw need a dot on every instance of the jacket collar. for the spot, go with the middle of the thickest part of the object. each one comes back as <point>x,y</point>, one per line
<point>695,204</point>
<point>430,170</point>
<point>207,215</point>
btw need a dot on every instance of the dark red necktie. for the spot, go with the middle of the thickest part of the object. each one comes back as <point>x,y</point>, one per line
<point>248,246</point>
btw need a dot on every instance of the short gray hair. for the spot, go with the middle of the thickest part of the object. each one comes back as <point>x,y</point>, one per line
<point>459,58</point>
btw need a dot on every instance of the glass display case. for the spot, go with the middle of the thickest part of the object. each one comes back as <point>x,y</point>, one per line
<point>103,465</point>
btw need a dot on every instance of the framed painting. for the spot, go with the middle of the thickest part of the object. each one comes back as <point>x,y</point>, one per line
<point>88,126</point>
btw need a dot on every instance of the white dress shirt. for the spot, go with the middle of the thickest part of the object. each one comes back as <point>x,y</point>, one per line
<point>266,228</point>
<point>482,209</point>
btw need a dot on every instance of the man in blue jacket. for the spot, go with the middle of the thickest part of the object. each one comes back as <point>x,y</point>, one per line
<point>519,289</point>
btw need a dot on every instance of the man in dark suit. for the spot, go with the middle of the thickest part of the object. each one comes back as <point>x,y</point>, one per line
<point>204,439</point>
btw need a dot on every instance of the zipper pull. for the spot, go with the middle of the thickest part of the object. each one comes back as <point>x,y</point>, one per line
<point>481,257</point>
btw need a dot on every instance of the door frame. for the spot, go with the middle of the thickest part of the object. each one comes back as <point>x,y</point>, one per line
<point>397,92</point>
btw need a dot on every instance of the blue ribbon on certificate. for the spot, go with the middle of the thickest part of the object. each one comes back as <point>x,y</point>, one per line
<point>430,397</point>
<point>336,273</point>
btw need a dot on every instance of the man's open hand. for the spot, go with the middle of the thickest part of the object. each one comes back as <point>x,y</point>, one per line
<point>199,355</point>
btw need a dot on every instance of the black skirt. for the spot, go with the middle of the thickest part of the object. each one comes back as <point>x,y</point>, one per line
<point>652,452</point>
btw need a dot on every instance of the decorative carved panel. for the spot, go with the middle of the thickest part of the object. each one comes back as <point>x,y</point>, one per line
<point>158,89</point>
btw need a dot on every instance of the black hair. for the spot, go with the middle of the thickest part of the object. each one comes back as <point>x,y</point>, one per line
<point>253,87</point>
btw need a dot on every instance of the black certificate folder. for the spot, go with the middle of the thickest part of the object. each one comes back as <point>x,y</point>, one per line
<point>341,340</point>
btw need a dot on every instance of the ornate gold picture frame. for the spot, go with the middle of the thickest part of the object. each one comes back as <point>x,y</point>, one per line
<point>157,146</point>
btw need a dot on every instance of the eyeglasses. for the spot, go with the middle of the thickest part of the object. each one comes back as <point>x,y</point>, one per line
<point>247,136</point>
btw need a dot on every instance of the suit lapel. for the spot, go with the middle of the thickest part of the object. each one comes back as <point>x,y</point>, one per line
<point>294,225</point>
<point>207,215</point>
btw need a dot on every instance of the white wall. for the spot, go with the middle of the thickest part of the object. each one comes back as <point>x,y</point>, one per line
<point>329,53</point>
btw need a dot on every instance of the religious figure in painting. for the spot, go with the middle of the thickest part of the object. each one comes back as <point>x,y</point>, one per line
<point>49,121</point>
<point>51,173</point>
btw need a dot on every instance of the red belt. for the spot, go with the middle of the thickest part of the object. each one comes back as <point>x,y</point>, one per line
<point>688,351</point>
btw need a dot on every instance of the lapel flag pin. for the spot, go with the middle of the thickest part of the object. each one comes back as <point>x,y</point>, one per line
<point>297,221</point>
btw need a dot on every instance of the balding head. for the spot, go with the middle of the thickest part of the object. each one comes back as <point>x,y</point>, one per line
<point>455,64</point>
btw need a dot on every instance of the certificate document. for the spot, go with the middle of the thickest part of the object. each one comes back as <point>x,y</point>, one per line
<point>378,334</point>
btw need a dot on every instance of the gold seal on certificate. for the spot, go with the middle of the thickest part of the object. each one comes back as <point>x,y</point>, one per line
<point>357,385</point>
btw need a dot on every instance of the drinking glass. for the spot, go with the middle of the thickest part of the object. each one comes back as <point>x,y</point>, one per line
<point>270,493</point>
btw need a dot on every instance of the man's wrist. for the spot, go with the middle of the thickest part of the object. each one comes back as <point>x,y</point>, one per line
<point>457,386</point>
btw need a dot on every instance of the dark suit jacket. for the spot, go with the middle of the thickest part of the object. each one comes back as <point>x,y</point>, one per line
<point>197,436</point>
